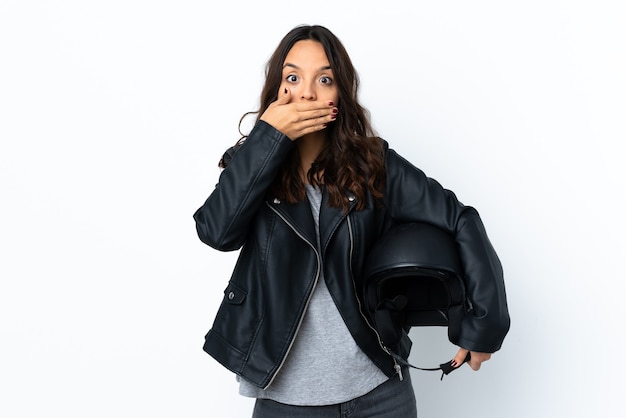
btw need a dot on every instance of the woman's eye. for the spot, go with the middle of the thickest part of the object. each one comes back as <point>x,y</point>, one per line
<point>292,78</point>
<point>326,80</point>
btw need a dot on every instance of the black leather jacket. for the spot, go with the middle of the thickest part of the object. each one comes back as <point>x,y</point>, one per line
<point>279,262</point>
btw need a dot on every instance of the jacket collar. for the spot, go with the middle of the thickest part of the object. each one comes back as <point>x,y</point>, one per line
<point>330,218</point>
<point>300,218</point>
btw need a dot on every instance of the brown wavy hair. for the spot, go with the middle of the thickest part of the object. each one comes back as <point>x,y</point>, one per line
<point>353,160</point>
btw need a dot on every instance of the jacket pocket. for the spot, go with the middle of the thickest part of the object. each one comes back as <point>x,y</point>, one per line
<point>234,295</point>
<point>237,319</point>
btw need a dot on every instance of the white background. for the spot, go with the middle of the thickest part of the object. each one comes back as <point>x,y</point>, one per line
<point>113,116</point>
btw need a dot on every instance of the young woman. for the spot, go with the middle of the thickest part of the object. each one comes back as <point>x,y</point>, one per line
<point>304,197</point>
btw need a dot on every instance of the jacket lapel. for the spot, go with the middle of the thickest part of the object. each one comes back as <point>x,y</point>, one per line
<point>298,217</point>
<point>330,218</point>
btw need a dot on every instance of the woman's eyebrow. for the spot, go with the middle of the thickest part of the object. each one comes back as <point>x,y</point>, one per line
<point>288,64</point>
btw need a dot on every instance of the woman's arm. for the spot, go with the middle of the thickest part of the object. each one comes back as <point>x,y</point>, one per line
<point>411,196</point>
<point>223,221</point>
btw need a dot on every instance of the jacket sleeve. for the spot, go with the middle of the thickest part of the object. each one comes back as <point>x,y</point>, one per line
<point>222,221</point>
<point>411,196</point>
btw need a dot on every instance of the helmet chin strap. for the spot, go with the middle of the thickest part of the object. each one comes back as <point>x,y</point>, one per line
<point>387,315</point>
<point>446,368</point>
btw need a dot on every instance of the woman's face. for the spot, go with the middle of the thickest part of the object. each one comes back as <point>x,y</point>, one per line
<point>307,73</point>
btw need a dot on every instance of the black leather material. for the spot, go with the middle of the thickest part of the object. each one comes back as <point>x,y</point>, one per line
<point>279,264</point>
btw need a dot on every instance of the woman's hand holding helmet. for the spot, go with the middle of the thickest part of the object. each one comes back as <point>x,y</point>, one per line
<point>475,360</point>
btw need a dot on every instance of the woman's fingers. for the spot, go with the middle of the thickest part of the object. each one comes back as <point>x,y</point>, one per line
<point>298,119</point>
<point>475,361</point>
<point>326,111</point>
<point>459,358</point>
<point>283,98</point>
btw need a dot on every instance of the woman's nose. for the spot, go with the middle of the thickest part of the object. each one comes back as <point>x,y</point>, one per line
<point>307,92</point>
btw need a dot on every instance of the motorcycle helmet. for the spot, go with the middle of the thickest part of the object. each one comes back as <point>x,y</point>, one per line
<point>413,277</point>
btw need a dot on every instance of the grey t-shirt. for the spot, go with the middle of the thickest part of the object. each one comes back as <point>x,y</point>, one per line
<point>325,366</point>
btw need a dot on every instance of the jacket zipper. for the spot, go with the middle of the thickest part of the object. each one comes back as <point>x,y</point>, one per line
<point>396,366</point>
<point>306,306</point>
